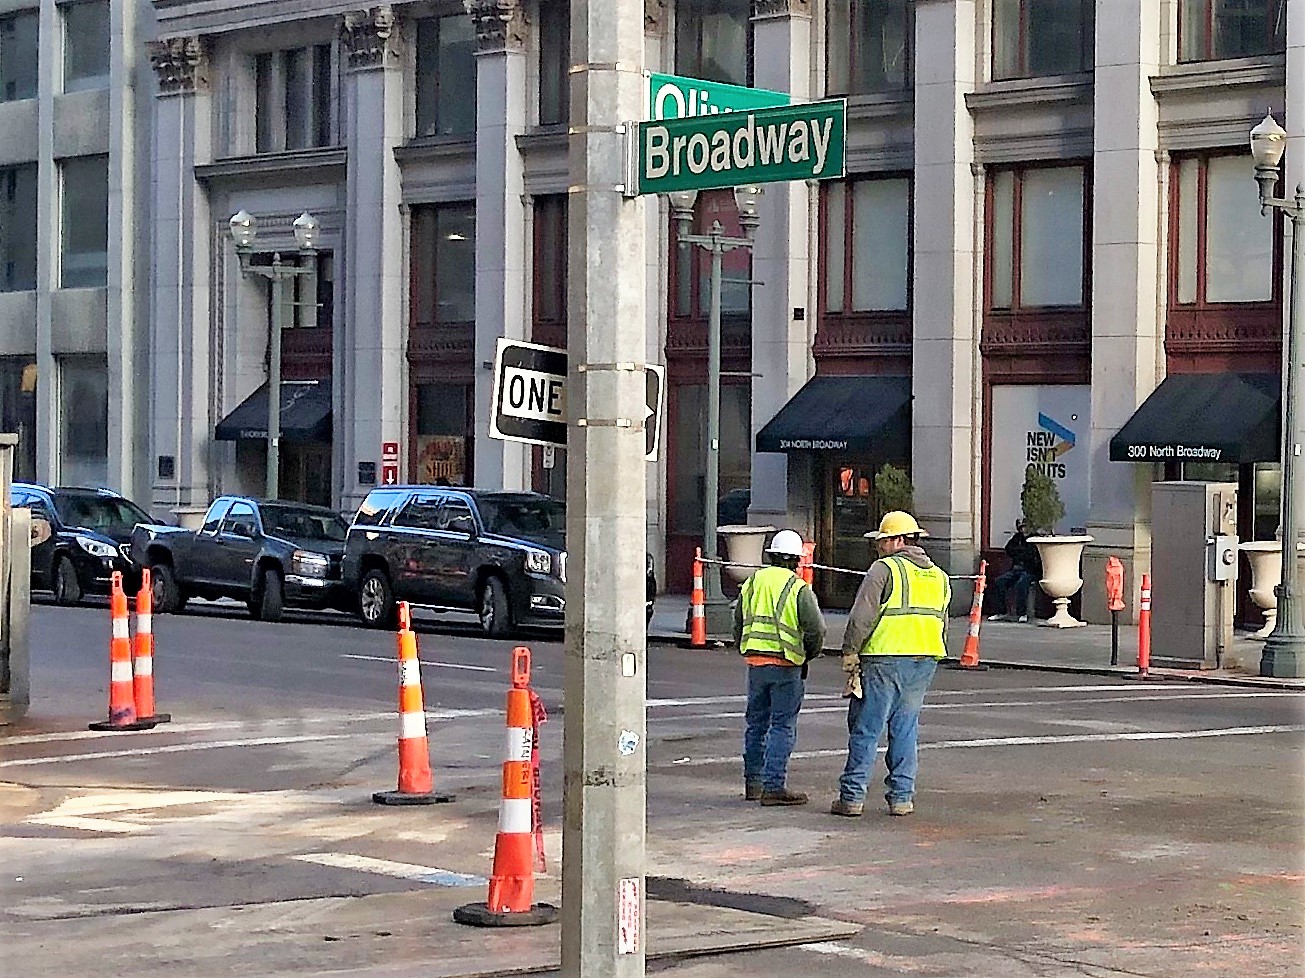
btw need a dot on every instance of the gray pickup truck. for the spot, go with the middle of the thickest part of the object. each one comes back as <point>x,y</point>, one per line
<point>269,554</point>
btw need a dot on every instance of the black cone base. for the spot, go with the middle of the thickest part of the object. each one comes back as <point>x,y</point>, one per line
<point>479,915</point>
<point>407,798</point>
<point>142,723</point>
<point>963,668</point>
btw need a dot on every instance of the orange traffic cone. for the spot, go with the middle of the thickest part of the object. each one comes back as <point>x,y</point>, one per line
<point>698,606</point>
<point>970,655</point>
<point>805,569</point>
<point>416,786</point>
<point>143,655</point>
<point>512,884</point>
<point>122,705</point>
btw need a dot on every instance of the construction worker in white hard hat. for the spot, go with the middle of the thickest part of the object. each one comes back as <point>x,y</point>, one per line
<point>777,627</point>
<point>896,633</point>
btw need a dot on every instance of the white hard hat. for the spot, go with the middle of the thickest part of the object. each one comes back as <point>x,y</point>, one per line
<point>786,542</point>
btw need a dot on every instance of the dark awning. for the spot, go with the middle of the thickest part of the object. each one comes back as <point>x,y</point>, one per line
<point>305,414</point>
<point>1204,418</point>
<point>853,414</point>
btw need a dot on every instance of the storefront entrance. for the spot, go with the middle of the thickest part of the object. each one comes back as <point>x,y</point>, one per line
<point>848,509</point>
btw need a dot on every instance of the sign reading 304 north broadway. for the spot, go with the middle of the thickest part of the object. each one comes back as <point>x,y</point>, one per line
<point>792,142</point>
<point>674,97</point>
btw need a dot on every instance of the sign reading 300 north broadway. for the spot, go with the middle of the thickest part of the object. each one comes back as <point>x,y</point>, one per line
<point>792,142</point>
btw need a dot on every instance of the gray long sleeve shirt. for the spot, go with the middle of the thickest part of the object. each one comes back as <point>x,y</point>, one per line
<point>876,588</point>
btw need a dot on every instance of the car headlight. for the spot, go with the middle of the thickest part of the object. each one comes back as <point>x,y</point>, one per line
<point>538,561</point>
<point>96,548</point>
<point>308,564</point>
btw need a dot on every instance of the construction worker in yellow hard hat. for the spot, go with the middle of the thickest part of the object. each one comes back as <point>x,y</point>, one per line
<point>896,633</point>
<point>778,627</point>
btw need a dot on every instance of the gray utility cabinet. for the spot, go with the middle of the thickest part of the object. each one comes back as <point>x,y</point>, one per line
<point>1193,572</point>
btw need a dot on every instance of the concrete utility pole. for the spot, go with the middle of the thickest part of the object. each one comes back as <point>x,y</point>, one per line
<point>603,934</point>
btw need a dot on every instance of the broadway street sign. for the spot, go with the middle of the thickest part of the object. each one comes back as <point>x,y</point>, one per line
<point>673,97</point>
<point>792,142</point>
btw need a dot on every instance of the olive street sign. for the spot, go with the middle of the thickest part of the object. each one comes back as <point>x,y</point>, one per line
<point>673,97</point>
<point>529,400</point>
<point>791,142</point>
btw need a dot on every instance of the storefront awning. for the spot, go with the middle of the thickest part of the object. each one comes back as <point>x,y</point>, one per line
<point>844,414</point>
<point>1204,418</point>
<point>305,414</point>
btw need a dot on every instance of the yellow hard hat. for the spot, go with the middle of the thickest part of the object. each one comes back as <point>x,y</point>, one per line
<point>896,524</point>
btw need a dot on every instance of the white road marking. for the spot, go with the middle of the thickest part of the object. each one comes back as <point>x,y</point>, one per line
<point>936,693</point>
<point>85,824</point>
<point>424,662</point>
<point>387,867</point>
<point>75,813</point>
<point>1050,739</point>
<point>172,749</point>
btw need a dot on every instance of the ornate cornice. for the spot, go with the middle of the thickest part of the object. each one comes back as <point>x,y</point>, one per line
<point>500,24</point>
<point>654,16</point>
<point>781,8</point>
<point>181,64</point>
<point>370,37</point>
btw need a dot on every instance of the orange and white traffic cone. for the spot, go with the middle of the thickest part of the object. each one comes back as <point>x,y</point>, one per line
<point>416,786</point>
<point>805,569</point>
<point>143,655</point>
<point>698,606</point>
<point>970,654</point>
<point>512,883</point>
<point>122,703</point>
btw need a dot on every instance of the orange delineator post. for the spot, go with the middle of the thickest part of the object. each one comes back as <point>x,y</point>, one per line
<point>143,654</point>
<point>512,882</point>
<point>1144,628</point>
<point>416,785</point>
<point>122,702</point>
<point>805,569</point>
<point>970,655</point>
<point>698,606</point>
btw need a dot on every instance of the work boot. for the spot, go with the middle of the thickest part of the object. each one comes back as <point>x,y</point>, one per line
<point>901,807</point>
<point>783,796</point>
<point>848,809</point>
<point>752,790</point>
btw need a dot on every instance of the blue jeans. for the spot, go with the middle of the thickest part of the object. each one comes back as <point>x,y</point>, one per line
<point>1017,580</point>
<point>894,688</point>
<point>774,699</point>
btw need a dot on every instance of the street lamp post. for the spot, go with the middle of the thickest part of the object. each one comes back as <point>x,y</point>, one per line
<point>1284,651</point>
<point>717,243</point>
<point>244,229</point>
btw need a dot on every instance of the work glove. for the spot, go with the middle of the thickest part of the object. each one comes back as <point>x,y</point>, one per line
<point>852,666</point>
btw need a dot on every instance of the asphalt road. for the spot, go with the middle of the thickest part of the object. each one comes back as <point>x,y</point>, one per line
<point>1066,825</point>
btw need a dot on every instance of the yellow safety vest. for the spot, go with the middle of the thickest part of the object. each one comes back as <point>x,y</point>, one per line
<point>770,615</point>
<point>911,619</point>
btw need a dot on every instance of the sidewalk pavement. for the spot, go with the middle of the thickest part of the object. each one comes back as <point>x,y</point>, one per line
<point>1010,645</point>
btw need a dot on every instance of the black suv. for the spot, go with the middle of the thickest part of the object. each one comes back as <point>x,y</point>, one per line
<point>79,538</point>
<point>498,554</point>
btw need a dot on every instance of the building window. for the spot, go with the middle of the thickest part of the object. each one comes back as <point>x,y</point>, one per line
<point>85,45</point>
<point>1031,38</point>
<point>1224,250</point>
<point>18,228</point>
<point>713,40</point>
<point>869,46</point>
<point>18,412</point>
<point>1209,30</point>
<point>1038,233</point>
<point>689,465</point>
<point>446,76</point>
<point>550,255</point>
<point>84,252</point>
<point>18,55</point>
<point>444,264</point>
<point>868,242</point>
<point>693,264</point>
<point>292,99</point>
<point>554,62</point>
<point>443,412</point>
<point>83,421</point>
<point>309,298</point>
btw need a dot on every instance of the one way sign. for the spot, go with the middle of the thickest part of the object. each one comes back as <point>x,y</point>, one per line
<point>530,384</point>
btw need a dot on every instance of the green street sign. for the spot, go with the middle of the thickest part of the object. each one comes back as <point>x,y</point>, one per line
<point>674,97</point>
<point>792,142</point>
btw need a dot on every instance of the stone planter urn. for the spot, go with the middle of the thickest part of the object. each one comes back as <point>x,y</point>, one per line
<point>743,545</point>
<point>1060,575</point>
<point>1265,557</point>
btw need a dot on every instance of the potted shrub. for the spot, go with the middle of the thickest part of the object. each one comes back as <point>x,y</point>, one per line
<point>893,490</point>
<point>1043,509</point>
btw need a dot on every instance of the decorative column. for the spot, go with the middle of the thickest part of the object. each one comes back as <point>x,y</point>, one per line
<point>370,356</point>
<point>180,420</point>
<point>782,313</point>
<point>501,264</point>
<point>945,348</point>
<point>1126,327</point>
<point>658,257</point>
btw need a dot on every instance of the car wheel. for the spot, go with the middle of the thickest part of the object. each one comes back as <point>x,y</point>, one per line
<point>376,600</point>
<point>495,616</point>
<point>164,591</point>
<point>67,589</point>
<point>271,595</point>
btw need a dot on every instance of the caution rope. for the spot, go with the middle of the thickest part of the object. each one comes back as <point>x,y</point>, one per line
<point>538,715</point>
<point>825,567</point>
